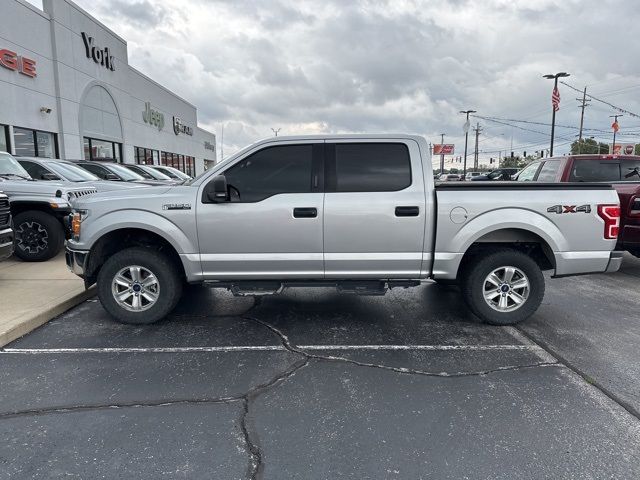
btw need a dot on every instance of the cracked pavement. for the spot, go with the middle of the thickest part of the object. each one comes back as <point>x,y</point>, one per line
<point>317,385</point>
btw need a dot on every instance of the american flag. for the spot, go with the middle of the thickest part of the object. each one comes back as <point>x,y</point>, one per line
<point>555,99</point>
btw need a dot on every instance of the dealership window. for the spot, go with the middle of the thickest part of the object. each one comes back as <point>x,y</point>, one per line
<point>34,143</point>
<point>4,138</point>
<point>95,149</point>
<point>146,156</point>
<point>184,163</point>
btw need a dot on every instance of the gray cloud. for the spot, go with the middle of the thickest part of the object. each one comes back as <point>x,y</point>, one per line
<point>391,65</point>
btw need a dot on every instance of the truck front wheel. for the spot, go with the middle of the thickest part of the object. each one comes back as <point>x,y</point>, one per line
<point>503,287</point>
<point>38,236</point>
<point>139,286</point>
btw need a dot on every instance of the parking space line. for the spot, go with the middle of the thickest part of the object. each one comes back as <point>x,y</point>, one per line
<point>263,348</point>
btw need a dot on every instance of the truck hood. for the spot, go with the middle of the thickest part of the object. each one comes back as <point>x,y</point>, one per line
<point>129,195</point>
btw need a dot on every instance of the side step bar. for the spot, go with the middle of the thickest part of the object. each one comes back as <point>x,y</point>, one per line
<point>252,288</point>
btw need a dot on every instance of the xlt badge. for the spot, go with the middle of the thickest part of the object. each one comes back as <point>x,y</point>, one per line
<point>176,206</point>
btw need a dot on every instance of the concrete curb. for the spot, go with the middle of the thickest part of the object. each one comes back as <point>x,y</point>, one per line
<point>28,322</point>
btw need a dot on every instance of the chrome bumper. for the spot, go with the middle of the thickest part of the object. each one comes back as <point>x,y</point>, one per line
<point>615,261</point>
<point>6,243</point>
<point>76,260</point>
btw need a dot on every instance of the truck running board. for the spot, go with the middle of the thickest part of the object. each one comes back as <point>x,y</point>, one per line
<point>253,288</point>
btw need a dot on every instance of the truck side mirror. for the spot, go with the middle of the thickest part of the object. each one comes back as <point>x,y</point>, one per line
<point>49,176</point>
<point>111,176</point>
<point>216,190</point>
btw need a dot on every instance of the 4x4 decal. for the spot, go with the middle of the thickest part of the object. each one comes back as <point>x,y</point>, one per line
<point>569,209</point>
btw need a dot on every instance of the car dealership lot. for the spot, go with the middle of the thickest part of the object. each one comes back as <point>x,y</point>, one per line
<point>314,384</point>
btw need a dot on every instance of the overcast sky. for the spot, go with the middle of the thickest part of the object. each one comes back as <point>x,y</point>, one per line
<point>386,66</point>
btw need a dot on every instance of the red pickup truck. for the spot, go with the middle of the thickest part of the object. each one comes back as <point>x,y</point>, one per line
<point>621,171</point>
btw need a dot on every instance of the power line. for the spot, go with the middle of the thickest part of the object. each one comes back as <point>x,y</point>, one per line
<point>615,107</point>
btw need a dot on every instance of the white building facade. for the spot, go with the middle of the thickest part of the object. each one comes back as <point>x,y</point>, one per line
<point>67,91</point>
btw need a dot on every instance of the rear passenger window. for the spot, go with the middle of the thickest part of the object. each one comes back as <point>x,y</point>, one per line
<point>595,171</point>
<point>549,171</point>
<point>268,172</point>
<point>631,170</point>
<point>372,167</point>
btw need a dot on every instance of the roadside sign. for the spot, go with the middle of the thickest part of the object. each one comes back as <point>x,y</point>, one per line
<point>622,148</point>
<point>443,148</point>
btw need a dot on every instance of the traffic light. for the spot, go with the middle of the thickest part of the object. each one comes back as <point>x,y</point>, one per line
<point>525,154</point>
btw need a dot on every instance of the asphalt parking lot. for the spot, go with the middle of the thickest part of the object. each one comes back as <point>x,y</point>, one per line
<point>318,385</point>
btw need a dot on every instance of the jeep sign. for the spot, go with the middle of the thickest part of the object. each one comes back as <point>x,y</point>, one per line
<point>152,117</point>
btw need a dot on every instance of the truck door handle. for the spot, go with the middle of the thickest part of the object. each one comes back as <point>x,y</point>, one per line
<point>310,212</point>
<point>407,211</point>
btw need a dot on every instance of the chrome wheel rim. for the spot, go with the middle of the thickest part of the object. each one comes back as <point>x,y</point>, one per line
<point>135,288</point>
<point>32,237</point>
<point>506,289</point>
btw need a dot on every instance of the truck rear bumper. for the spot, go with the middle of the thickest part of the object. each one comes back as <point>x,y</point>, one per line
<point>6,243</point>
<point>578,263</point>
<point>76,260</point>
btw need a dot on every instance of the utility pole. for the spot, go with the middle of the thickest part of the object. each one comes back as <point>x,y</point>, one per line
<point>615,130</point>
<point>465,128</point>
<point>442,153</point>
<point>222,143</point>
<point>584,103</point>
<point>555,104</point>
<point>276,130</point>
<point>475,154</point>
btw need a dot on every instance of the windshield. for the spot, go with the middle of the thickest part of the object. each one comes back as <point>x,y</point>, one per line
<point>173,173</point>
<point>71,172</point>
<point>153,173</point>
<point>124,172</point>
<point>10,166</point>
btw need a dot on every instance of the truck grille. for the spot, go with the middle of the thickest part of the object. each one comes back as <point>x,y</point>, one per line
<point>80,193</point>
<point>5,213</point>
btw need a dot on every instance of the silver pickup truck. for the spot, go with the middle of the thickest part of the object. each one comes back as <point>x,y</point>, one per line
<point>359,212</point>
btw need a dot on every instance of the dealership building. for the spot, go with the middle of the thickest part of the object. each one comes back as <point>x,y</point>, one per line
<point>68,91</point>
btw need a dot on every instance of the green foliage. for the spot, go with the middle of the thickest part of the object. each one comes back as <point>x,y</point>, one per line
<point>589,146</point>
<point>515,162</point>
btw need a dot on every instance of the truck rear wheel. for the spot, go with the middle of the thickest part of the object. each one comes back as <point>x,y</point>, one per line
<point>139,286</point>
<point>504,287</point>
<point>38,236</point>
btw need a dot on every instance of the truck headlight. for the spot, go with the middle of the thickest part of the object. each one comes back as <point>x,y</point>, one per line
<point>77,217</point>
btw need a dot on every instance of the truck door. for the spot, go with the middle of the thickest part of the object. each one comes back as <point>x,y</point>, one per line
<point>271,225</point>
<point>374,210</point>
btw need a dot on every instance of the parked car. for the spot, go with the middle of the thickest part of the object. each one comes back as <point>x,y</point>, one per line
<point>61,170</point>
<point>449,177</point>
<point>497,174</point>
<point>38,210</point>
<point>114,172</point>
<point>149,173</point>
<point>171,172</point>
<point>622,172</point>
<point>6,229</point>
<point>471,175</point>
<point>355,212</point>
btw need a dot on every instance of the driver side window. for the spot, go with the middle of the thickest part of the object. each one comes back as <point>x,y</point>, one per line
<point>271,171</point>
<point>529,172</point>
<point>34,170</point>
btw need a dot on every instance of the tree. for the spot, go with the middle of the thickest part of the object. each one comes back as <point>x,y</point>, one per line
<point>513,162</point>
<point>589,146</point>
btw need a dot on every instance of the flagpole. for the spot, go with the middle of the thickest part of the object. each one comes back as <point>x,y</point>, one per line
<point>615,130</point>
<point>553,109</point>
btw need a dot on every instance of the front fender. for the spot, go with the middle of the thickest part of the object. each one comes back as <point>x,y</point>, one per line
<point>94,228</point>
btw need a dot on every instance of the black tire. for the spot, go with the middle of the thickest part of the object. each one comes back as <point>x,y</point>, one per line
<point>472,285</point>
<point>38,236</point>
<point>168,278</point>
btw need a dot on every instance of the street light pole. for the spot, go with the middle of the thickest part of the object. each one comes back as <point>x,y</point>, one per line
<point>553,109</point>
<point>442,153</point>
<point>466,139</point>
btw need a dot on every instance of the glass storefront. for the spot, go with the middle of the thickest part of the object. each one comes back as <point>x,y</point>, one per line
<point>34,143</point>
<point>184,163</point>
<point>146,156</point>
<point>95,149</point>
<point>4,138</point>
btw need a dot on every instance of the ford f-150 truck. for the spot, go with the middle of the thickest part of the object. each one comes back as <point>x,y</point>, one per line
<point>621,171</point>
<point>38,210</point>
<point>357,212</point>
<point>6,232</point>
